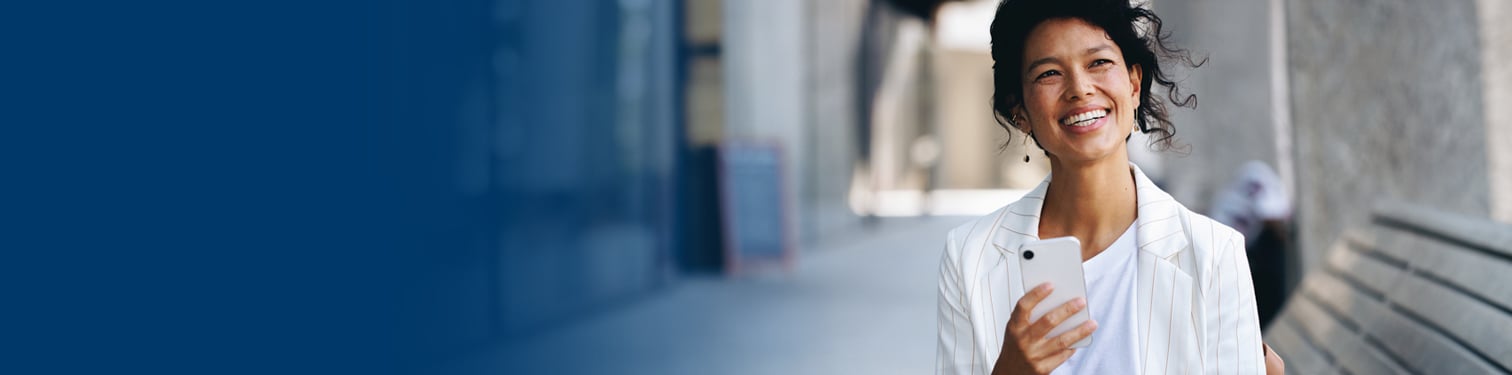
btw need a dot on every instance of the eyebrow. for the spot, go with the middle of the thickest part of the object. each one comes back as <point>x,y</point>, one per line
<point>1050,59</point>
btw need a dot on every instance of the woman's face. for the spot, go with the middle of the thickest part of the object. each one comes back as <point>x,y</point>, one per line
<point>1079,96</point>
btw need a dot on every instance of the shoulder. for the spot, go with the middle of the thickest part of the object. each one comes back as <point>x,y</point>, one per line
<point>1208,237</point>
<point>975,230</point>
<point>967,248</point>
<point>971,246</point>
<point>973,234</point>
<point>1211,236</point>
<point>1213,245</point>
<point>978,241</point>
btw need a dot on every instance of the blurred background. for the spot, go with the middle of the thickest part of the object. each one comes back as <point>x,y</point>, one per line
<point>737,186</point>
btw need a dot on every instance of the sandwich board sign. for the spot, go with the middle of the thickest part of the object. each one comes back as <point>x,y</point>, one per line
<point>754,207</point>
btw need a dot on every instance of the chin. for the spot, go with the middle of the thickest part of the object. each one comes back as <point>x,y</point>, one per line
<point>1085,153</point>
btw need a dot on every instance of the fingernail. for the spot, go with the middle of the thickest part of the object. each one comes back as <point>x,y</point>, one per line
<point>1081,302</point>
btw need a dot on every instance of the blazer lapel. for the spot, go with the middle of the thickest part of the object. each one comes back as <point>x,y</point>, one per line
<point>1019,224</point>
<point>1166,326</point>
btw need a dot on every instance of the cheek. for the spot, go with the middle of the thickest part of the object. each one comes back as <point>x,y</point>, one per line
<point>1040,98</point>
<point>1121,91</point>
<point>1117,81</point>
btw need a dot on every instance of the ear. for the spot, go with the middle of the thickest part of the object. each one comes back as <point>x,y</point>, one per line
<point>1021,118</point>
<point>1136,75</point>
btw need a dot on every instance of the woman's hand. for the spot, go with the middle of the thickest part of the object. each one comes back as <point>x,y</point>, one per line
<point>1026,350</point>
<point>1273,363</point>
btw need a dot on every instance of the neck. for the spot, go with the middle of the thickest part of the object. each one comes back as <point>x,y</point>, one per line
<point>1095,202</point>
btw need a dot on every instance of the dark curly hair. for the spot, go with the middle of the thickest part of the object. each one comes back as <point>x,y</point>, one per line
<point>1121,20</point>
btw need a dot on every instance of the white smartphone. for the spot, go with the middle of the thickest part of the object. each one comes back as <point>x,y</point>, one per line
<point>1058,262</point>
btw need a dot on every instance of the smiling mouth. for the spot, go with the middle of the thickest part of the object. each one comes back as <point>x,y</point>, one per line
<point>1084,118</point>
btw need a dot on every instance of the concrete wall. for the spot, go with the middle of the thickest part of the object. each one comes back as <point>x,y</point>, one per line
<point>1496,44</point>
<point>971,157</point>
<point>832,35</point>
<point>789,77</point>
<point>765,90</point>
<point>899,112</point>
<point>1242,97</point>
<point>1387,104</point>
<point>1234,121</point>
<point>1353,102</point>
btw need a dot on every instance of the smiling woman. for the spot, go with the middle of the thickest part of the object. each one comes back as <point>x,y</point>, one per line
<point>1077,80</point>
<point>1134,35</point>
<point>1168,290</point>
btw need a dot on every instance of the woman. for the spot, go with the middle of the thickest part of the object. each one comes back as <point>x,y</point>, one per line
<point>1169,291</point>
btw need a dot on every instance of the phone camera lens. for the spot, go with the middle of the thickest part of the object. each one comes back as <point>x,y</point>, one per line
<point>1028,255</point>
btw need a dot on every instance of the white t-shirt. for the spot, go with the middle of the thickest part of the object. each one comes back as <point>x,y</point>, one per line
<point>1111,292</point>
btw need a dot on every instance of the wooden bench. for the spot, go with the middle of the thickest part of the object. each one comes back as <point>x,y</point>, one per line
<point>1421,292</point>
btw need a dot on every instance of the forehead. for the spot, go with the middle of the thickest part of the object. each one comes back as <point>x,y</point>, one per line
<point>1063,38</point>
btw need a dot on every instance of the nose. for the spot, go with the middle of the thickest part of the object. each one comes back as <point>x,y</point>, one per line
<point>1080,88</point>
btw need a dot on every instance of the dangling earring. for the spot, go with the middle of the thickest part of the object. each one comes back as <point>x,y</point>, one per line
<point>1027,136</point>
<point>1018,119</point>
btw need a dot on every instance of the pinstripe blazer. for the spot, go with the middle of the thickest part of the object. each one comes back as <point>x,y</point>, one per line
<point>1195,302</point>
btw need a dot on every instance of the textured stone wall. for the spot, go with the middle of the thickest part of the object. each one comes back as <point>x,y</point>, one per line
<point>1387,104</point>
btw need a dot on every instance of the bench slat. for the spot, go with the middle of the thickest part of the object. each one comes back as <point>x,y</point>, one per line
<point>1478,272</point>
<point>1421,348</point>
<point>1473,322</point>
<point>1425,350</point>
<point>1423,292</point>
<point>1319,326</point>
<point>1359,358</point>
<point>1358,239</point>
<point>1375,274</point>
<point>1474,231</point>
<point>1353,354</point>
<point>1394,243</point>
<point>1300,357</point>
<point>1344,299</point>
<point>1418,346</point>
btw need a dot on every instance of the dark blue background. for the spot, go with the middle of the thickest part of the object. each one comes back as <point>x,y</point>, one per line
<point>211,187</point>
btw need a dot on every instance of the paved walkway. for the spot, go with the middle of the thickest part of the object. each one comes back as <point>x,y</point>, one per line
<point>853,306</point>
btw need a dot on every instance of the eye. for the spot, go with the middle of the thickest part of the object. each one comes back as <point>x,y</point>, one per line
<point>1101,62</point>
<point>1047,74</point>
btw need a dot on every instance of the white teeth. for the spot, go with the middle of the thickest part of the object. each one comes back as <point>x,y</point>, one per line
<point>1084,118</point>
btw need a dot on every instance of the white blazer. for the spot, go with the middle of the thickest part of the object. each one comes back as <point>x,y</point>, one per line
<point>1196,301</point>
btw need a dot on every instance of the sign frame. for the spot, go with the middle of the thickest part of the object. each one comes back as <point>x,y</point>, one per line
<point>734,221</point>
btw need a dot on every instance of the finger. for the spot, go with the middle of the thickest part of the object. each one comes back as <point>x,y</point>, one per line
<point>1054,318</point>
<point>1051,345</point>
<point>1065,340</point>
<point>1027,303</point>
<point>1048,364</point>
